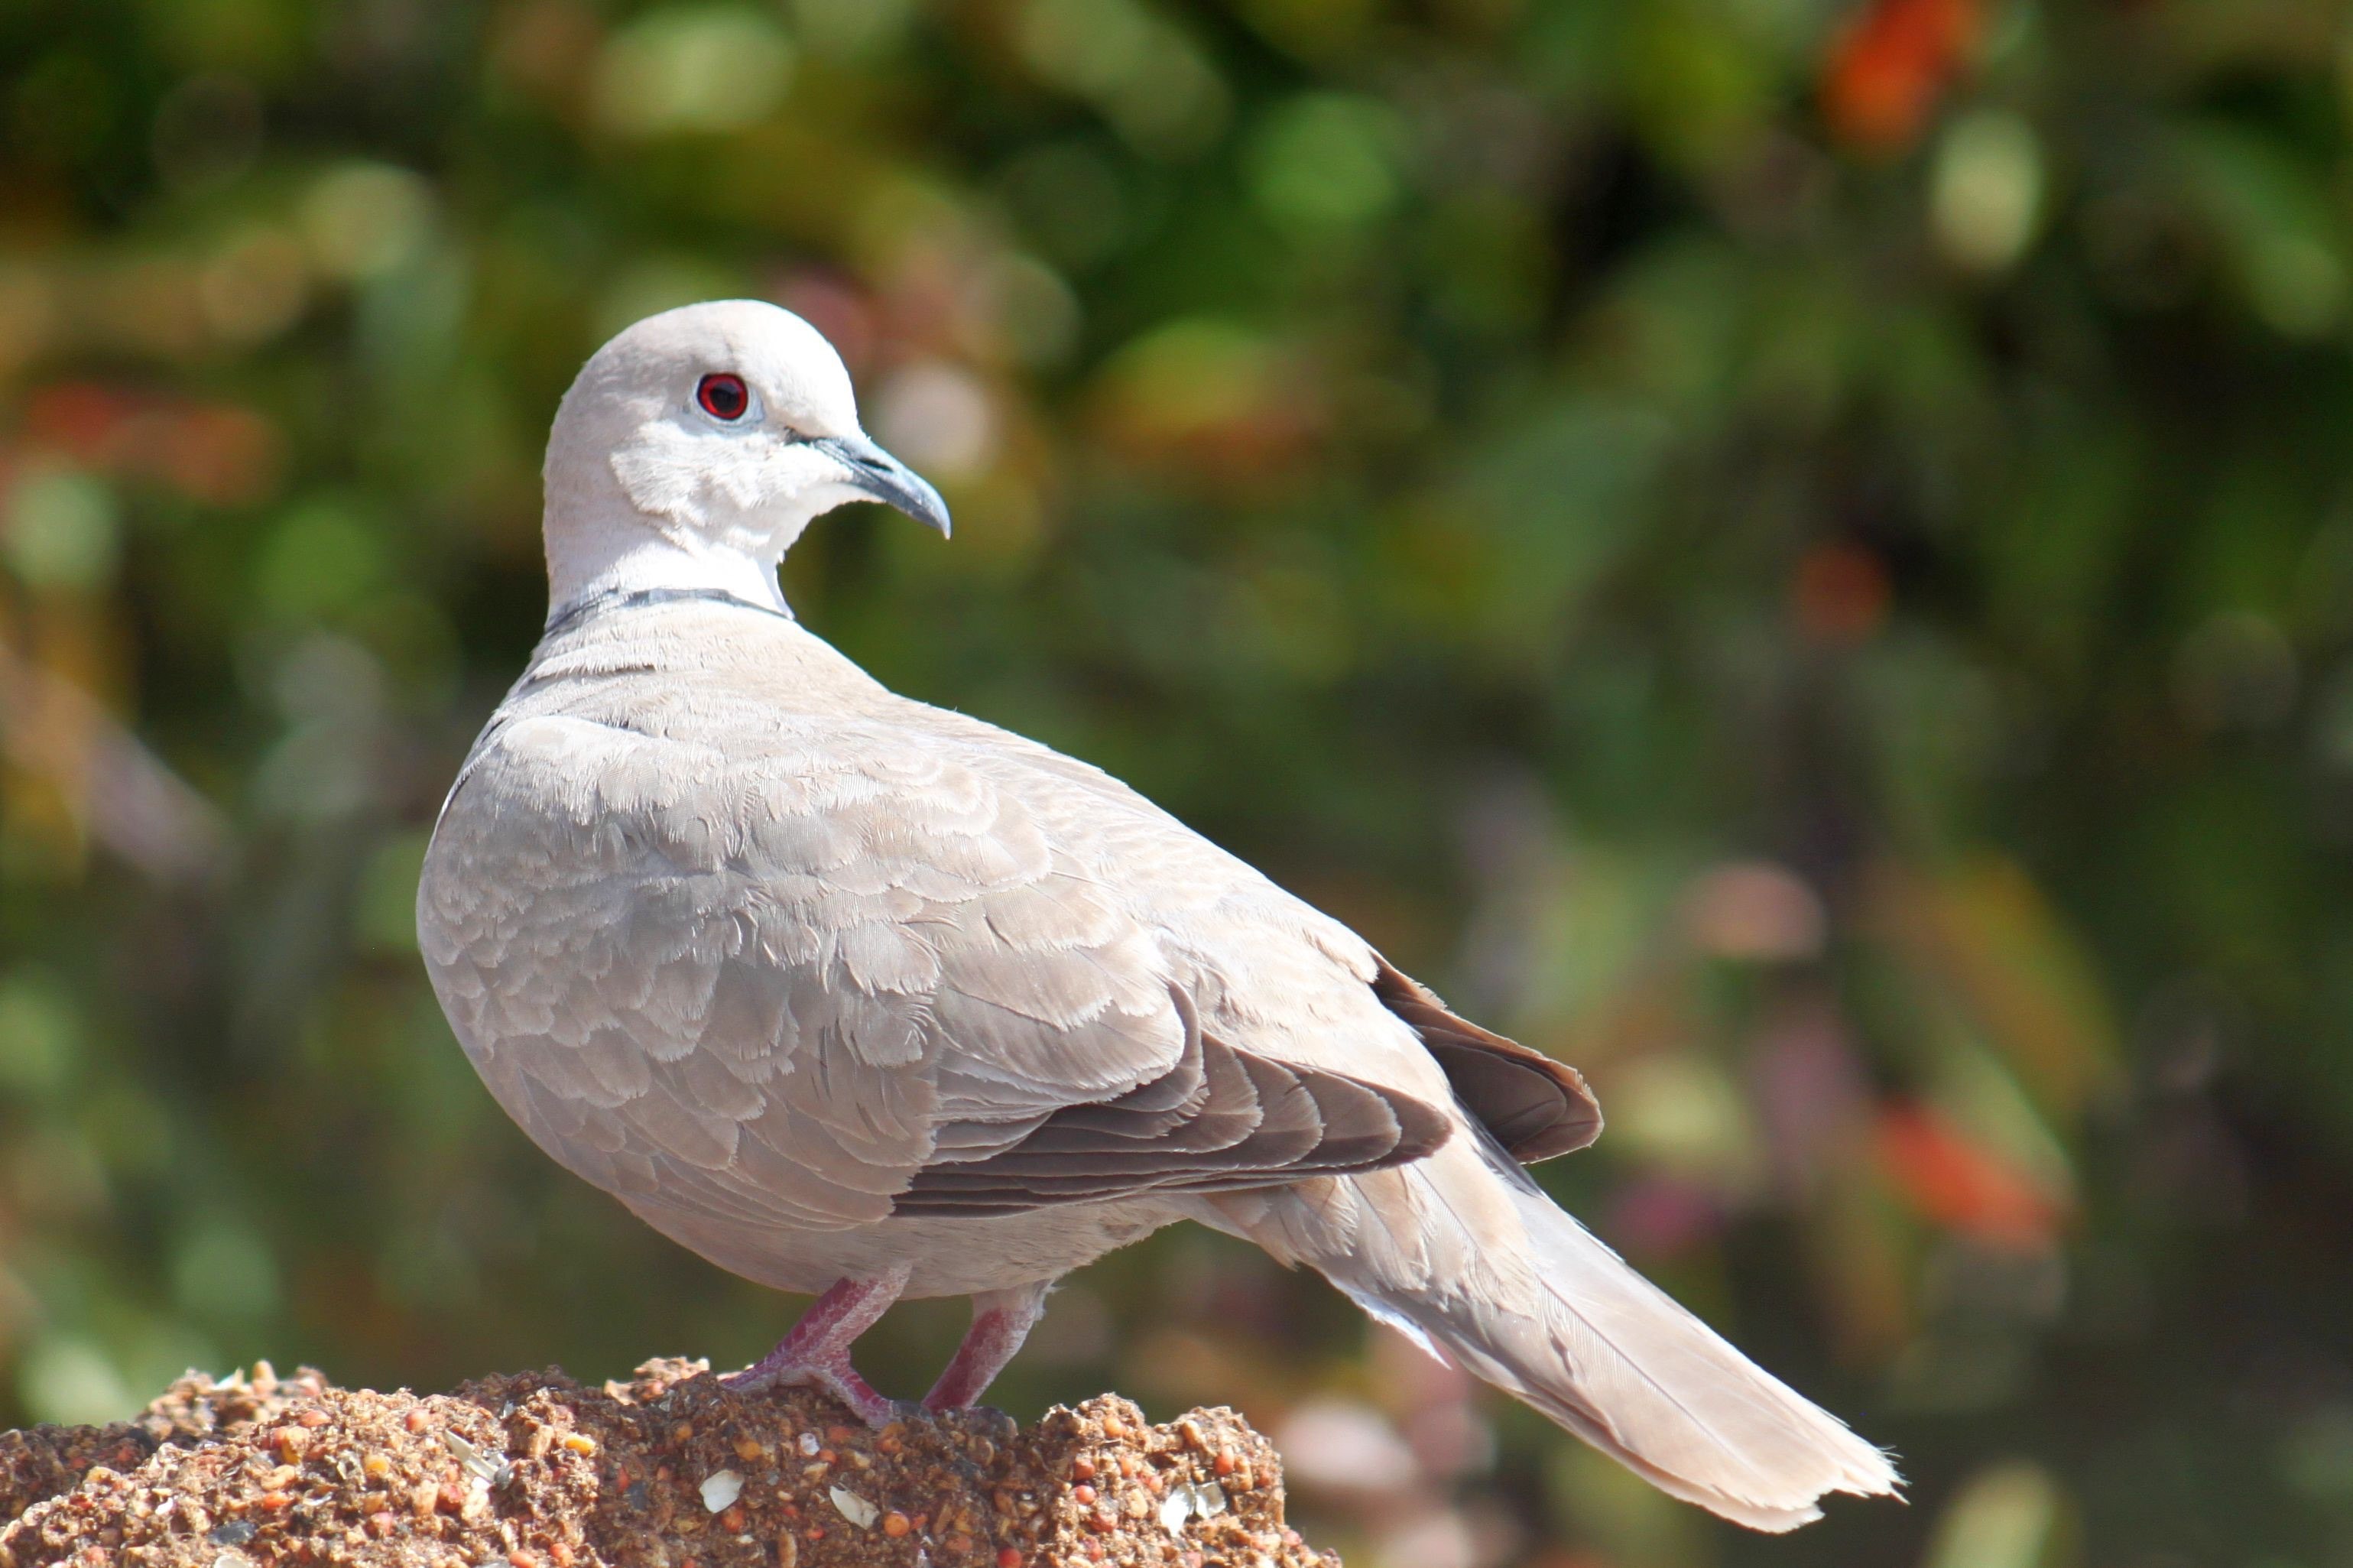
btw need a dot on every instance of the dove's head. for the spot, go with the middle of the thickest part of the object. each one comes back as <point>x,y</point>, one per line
<point>693,449</point>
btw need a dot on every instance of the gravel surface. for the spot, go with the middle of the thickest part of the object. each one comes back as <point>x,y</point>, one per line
<point>668,1470</point>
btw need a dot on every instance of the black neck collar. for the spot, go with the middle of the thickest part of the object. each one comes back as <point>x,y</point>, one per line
<point>580,608</point>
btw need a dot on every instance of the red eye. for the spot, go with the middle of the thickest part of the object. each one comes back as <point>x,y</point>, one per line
<point>723,396</point>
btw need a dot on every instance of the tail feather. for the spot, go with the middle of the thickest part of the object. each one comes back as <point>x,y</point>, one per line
<point>1464,1250</point>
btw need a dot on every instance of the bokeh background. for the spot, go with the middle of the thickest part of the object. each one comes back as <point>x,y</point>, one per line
<point>1795,554</point>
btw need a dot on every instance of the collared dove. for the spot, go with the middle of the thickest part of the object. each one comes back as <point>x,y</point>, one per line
<point>860,998</point>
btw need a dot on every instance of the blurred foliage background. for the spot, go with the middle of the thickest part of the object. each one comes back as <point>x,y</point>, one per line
<point>1796,553</point>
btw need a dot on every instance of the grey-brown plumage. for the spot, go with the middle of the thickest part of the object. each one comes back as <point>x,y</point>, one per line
<point>856,996</point>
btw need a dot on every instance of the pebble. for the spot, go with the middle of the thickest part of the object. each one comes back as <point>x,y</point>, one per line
<point>854,1509</point>
<point>720,1489</point>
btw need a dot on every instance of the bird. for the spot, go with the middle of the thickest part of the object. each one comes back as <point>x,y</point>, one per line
<point>864,999</point>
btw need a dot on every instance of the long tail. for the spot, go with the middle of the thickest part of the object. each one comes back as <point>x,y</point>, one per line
<point>1463,1249</point>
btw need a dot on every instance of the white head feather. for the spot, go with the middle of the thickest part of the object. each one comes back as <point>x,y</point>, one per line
<point>652,482</point>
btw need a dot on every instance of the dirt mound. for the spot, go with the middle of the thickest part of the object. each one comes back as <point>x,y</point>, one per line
<point>670,1470</point>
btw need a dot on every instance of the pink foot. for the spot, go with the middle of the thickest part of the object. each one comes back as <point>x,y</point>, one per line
<point>816,1352</point>
<point>1001,1319</point>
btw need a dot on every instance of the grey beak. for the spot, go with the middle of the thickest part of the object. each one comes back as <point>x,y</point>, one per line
<point>886,478</point>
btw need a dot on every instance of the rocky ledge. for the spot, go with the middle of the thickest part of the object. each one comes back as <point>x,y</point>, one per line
<point>665,1470</point>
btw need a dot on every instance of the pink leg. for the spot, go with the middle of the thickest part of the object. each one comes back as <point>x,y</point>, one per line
<point>816,1352</point>
<point>1001,1319</point>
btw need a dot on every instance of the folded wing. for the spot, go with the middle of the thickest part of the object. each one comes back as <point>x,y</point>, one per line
<point>876,979</point>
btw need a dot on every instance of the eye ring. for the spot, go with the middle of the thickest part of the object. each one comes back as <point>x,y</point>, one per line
<point>723,396</point>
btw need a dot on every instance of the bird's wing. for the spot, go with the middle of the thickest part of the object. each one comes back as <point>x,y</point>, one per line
<point>804,972</point>
<point>1277,975</point>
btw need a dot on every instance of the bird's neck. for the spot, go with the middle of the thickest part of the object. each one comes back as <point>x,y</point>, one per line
<point>592,555</point>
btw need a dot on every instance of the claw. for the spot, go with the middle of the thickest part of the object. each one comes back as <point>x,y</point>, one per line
<point>817,1353</point>
<point>839,1379</point>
